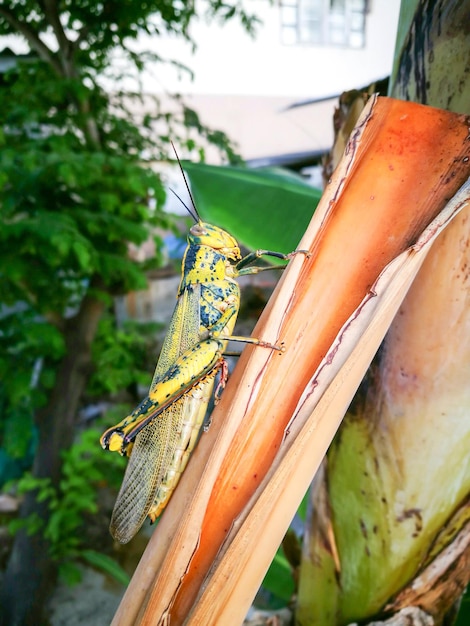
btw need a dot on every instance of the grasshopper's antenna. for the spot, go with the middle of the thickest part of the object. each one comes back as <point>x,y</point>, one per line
<point>192,212</point>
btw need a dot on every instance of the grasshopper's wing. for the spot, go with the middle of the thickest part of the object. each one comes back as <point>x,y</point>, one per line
<point>183,331</point>
<point>158,457</point>
<point>160,451</point>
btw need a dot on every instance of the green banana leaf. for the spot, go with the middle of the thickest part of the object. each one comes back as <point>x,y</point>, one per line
<point>267,208</point>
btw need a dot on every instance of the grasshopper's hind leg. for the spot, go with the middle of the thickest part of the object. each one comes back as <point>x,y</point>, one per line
<point>190,368</point>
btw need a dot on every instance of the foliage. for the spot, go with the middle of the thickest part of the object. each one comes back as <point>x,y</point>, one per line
<point>29,351</point>
<point>123,357</point>
<point>83,470</point>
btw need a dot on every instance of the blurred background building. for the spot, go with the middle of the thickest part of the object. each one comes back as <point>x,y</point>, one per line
<point>306,52</point>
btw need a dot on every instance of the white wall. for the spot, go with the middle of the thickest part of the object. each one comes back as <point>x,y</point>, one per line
<point>228,61</point>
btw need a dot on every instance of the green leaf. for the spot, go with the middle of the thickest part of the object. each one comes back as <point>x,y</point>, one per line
<point>106,564</point>
<point>83,254</point>
<point>302,510</point>
<point>18,436</point>
<point>69,573</point>
<point>463,618</point>
<point>31,524</point>
<point>267,209</point>
<point>279,580</point>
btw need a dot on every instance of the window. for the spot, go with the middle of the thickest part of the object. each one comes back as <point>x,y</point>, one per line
<point>324,22</point>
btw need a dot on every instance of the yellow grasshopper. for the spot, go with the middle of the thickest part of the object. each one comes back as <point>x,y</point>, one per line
<point>160,434</point>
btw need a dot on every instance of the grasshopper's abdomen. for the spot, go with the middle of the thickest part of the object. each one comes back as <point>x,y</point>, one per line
<point>159,456</point>
<point>193,416</point>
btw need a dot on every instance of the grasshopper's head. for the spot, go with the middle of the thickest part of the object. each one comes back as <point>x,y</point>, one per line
<point>204,234</point>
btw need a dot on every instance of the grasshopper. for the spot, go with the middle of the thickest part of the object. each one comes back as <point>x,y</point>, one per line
<point>160,434</point>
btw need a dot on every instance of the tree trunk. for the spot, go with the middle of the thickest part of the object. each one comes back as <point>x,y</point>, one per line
<point>31,575</point>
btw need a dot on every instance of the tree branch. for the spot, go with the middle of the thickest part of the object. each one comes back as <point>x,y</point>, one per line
<point>62,64</point>
<point>51,12</point>
<point>32,38</point>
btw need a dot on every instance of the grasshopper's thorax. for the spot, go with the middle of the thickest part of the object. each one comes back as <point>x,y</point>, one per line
<point>204,234</point>
<point>209,255</point>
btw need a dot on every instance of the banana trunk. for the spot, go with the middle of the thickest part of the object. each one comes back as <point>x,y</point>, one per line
<point>395,532</point>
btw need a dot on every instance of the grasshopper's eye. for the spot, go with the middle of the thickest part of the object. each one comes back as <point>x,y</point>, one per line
<point>198,230</point>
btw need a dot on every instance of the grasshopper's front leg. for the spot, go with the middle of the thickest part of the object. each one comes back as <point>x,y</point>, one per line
<point>242,265</point>
<point>188,370</point>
